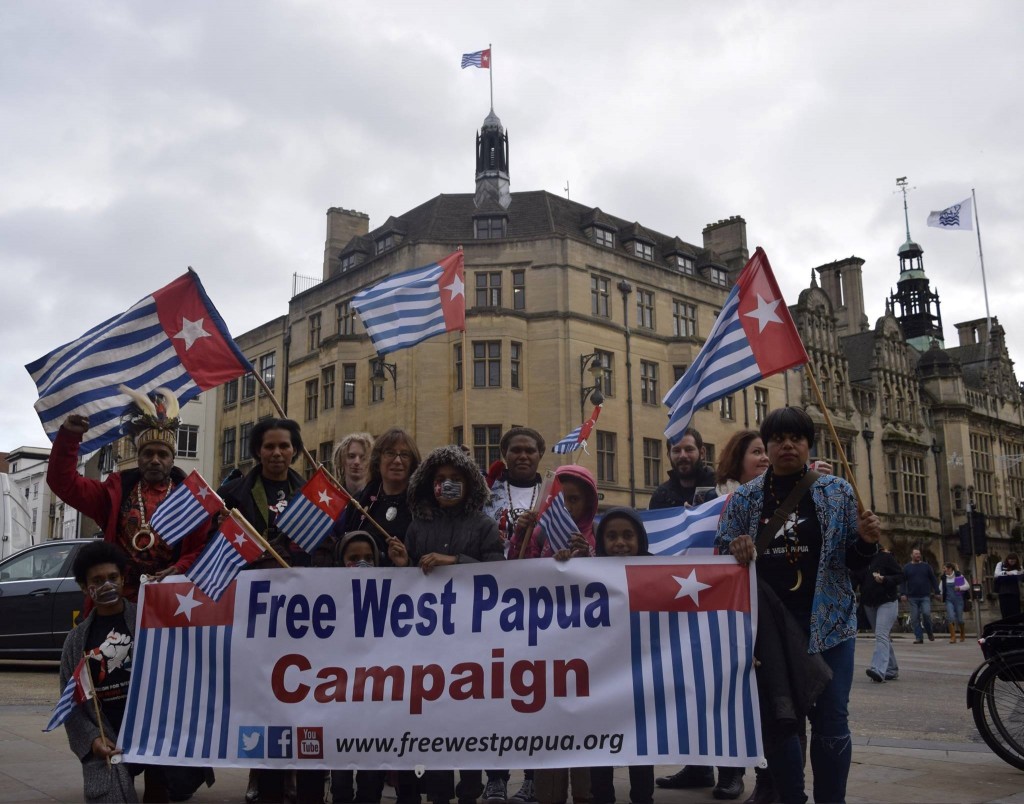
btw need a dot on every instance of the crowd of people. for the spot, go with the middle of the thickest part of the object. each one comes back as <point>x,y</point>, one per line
<point>812,546</point>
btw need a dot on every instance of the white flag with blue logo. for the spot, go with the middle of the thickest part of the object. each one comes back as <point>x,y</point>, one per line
<point>955,216</point>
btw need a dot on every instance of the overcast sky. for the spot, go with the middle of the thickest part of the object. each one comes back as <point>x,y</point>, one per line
<point>140,137</point>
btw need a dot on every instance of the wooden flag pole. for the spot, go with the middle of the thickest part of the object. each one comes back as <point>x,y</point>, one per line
<point>314,462</point>
<point>465,392</point>
<point>95,699</point>
<point>236,515</point>
<point>835,436</point>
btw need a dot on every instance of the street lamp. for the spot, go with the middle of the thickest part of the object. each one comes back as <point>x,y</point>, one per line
<point>591,364</point>
<point>869,436</point>
<point>377,376</point>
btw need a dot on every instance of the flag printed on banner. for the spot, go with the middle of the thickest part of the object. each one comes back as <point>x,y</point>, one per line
<point>482,58</point>
<point>313,511</point>
<point>692,641</point>
<point>753,337</point>
<point>173,338</point>
<point>187,507</point>
<point>414,305</point>
<point>179,695</point>
<point>686,530</point>
<point>577,439</point>
<point>554,518</point>
<point>77,691</point>
<point>955,216</point>
<point>223,557</point>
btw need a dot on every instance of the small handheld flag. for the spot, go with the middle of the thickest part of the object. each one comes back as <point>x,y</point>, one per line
<point>554,518</point>
<point>224,556</point>
<point>414,305</point>
<point>78,690</point>
<point>577,439</point>
<point>186,508</point>
<point>753,337</point>
<point>173,338</point>
<point>311,514</point>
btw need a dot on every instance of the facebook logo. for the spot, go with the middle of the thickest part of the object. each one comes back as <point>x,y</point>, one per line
<point>250,742</point>
<point>279,742</point>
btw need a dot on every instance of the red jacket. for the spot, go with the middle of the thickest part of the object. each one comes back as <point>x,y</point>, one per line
<point>101,501</point>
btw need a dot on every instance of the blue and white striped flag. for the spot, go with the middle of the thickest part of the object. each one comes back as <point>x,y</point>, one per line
<point>557,523</point>
<point>753,337</point>
<point>223,557</point>
<point>692,645</point>
<point>187,507</point>
<point>482,58</point>
<point>174,338</point>
<point>312,512</point>
<point>577,439</point>
<point>414,305</point>
<point>179,696</point>
<point>684,530</point>
<point>78,690</point>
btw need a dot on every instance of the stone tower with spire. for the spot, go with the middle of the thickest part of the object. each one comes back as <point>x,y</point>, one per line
<point>492,183</point>
<point>918,306</point>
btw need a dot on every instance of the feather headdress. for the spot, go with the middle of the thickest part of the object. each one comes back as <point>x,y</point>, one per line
<point>152,418</point>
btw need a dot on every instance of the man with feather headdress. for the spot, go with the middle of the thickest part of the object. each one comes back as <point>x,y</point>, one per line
<point>124,503</point>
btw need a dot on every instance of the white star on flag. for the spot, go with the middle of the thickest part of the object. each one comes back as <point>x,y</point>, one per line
<point>325,498</point>
<point>456,288</point>
<point>765,313</point>
<point>191,331</point>
<point>690,587</point>
<point>203,492</point>
<point>239,539</point>
<point>186,603</point>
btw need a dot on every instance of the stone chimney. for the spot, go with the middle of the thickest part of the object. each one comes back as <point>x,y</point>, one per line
<point>342,226</point>
<point>843,282</point>
<point>728,239</point>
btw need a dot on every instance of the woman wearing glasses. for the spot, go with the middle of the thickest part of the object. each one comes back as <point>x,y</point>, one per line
<point>393,459</point>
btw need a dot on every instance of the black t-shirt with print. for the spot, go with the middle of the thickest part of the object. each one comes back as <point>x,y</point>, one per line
<point>794,552</point>
<point>109,647</point>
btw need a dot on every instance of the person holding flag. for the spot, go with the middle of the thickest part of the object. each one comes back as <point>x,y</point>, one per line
<point>543,534</point>
<point>101,648</point>
<point>123,505</point>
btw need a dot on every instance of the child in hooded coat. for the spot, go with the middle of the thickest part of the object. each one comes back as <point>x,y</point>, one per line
<point>446,496</point>
<point>580,493</point>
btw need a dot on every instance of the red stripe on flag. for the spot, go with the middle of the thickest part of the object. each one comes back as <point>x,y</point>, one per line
<point>193,329</point>
<point>172,604</point>
<point>325,494</point>
<point>688,587</point>
<point>453,292</point>
<point>209,500</point>
<point>765,318</point>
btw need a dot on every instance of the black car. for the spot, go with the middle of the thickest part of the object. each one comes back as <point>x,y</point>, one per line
<point>39,599</point>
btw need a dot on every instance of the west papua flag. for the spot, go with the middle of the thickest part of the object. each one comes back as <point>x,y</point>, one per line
<point>173,338</point>
<point>187,507</point>
<point>412,306</point>
<point>224,556</point>
<point>578,437</point>
<point>481,58</point>
<point>686,530</point>
<point>692,643</point>
<point>554,518</point>
<point>753,337</point>
<point>178,698</point>
<point>312,512</point>
<point>77,691</point>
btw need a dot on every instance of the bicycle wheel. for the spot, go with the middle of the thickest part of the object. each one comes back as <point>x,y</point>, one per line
<point>998,707</point>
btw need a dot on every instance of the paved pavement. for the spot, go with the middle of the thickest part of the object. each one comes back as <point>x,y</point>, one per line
<point>914,739</point>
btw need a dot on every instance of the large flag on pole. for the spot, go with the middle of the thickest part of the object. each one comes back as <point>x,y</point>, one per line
<point>231,548</point>
<point>312,512</point>
<point>753,337</point>
<point>955,216</point>
<point>577,439</point>
<point>482,58</point>
<point>174,338</point>
<point>414,305</point>
<point>187,507</point>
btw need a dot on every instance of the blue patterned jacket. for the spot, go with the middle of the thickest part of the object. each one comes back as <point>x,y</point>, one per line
<point>834,609</point>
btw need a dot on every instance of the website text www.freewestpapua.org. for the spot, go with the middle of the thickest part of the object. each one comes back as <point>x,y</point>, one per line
<point>493,743</point>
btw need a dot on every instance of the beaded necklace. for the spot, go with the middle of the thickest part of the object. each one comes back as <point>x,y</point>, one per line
<point>144,528</point>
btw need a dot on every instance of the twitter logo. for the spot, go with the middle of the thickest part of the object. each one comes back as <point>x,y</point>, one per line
<point>250,742</point>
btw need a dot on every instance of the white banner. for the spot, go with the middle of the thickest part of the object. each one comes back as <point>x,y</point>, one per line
<point>524,664</point>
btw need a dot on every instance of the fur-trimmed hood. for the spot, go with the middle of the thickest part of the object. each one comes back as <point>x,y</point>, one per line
<point>421,485</point>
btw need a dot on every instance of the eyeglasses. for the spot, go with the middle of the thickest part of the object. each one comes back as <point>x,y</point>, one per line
<point>390,455</point>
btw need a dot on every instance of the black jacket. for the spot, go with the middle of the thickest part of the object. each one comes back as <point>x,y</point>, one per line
<point>874,593</point>
<point>671,495</point>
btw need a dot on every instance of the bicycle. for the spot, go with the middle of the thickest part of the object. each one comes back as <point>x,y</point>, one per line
<point>995,692</point>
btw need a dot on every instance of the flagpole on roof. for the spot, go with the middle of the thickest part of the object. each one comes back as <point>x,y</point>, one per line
<point>490,73</point>
<point>984,284</point>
